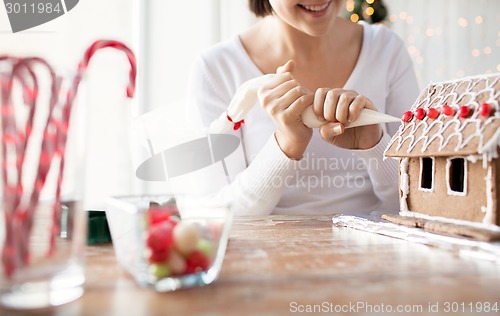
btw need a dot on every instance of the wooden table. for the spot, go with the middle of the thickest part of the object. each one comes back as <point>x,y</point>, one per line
<point>283,265</point>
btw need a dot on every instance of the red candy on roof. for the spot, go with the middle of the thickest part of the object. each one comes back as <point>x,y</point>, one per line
<point>420,114</point>
<point>467,122</point>
<point>432,113</point>
<point>463,111</point>
<point>448,110</point>
<point>485,109</point>
<point>407,116</point>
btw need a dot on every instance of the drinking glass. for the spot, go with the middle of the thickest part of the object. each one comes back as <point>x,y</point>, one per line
<point>42,223</point>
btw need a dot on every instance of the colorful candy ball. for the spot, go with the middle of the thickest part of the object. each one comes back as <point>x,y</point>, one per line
<point>485,110</point>
<point>407,116</point>
<point>432,113</point>
<point>159,270</point>
<point>177,247</point>
<point>448,110</point>
<point>420,114</point>
<point>186,237</point>
<point>197,262</point>
<point>205,246</point>
<point>464,111</point>
<point>160,236</point>
<point>176,262</point>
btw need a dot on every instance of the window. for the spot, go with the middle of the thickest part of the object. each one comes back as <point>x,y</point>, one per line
<point>427,174</point>
<point>457,176</point>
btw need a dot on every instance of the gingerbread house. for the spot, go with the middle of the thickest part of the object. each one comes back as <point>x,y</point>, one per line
<point>448,152</point>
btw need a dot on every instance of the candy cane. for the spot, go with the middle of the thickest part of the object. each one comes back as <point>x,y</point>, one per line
<point>9,258</point>
<point>47,154</point>
<point>19,218</point>
<point>66,113</point>
<point>98,45</point>
<point>23,222</point>
<point>246,97</point>
<point>14,142</point>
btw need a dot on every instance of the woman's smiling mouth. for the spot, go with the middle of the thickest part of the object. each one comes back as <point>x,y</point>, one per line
<point>315,7</point>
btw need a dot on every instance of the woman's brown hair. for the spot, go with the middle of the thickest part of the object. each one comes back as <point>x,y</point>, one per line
<point>260,8</point>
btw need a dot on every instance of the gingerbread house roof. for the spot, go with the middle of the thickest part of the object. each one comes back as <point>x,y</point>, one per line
<point>454,118</point>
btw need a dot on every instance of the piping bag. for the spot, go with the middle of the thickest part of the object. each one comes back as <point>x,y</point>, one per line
<point>217,145</point>
<point>246,97</point>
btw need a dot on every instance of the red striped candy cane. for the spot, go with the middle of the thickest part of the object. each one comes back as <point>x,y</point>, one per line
<point>66,112</point>
<point>19,218</point>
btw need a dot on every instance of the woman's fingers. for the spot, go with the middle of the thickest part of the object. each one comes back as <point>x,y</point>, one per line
<point>273,89</point>
<point>330,131</point>
<point>331,103</point>
<point>326,102</point>
<point>280,97</point>
<point>344,104</point>
<point>338,105</point>
<point>355,109</point>
<point>319,103</point>
<point>277,80</point>
<point>289,66</point>
<point>300,104</point>
<point>293,92</point>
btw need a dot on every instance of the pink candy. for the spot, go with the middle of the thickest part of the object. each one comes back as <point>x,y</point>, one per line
<point>175,248</point>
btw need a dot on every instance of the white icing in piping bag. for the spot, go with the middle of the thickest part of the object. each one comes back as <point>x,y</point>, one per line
<point>246,97</point>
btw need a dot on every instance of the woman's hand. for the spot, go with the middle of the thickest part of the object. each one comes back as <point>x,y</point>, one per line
<point>284,100</point>
<point>340,108</point>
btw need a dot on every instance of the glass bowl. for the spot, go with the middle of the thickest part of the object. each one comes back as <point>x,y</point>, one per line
<point>169,242</point>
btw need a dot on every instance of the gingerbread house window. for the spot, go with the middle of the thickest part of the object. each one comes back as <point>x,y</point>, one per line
<point>456,176</point>
<point>427,174</point>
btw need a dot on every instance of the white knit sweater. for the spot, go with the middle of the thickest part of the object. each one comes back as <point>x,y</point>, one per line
<point>328,179</point>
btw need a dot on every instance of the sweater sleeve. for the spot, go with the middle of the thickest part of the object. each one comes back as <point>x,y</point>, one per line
<point>258,188</point>
<point>254,189</point>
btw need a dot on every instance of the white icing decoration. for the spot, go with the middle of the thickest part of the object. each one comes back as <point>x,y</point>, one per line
<point>455,124</point>
<point>448,220</point>
<point>433,176</point>
<point>490,149</point>
<point>448,186</point>
<point>488,210</point>
<point>474,158</point>
<point>404,183</point>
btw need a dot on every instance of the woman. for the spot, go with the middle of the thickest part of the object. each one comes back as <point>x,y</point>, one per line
<point>325,61</point>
